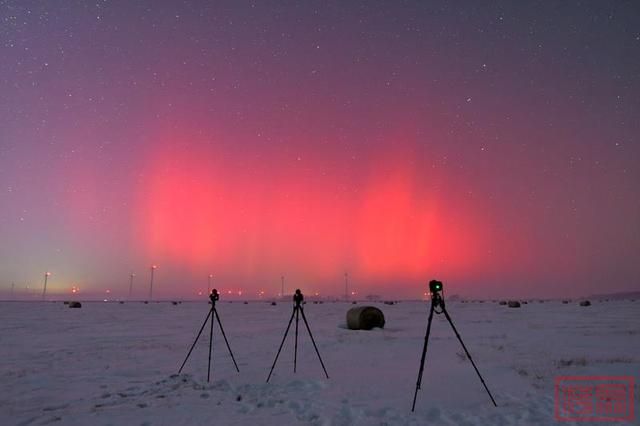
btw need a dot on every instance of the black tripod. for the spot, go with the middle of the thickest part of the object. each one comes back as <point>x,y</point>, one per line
<point>214,297</point>
<point>297,310</point>
<point>437,301</point>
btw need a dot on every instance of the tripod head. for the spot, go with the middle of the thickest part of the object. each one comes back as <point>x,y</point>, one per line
<point>298,297</point>
<point>214,296</point>
<point>436,288</point>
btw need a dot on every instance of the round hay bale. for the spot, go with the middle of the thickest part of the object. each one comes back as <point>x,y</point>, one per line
<point>174,303</point>
<point>273,303</point>
<point>565,302</point>
<point>513,304</point>
<point>75,305</point>
<point>502,302</point>
<point>585,303</point>
<point>66,302</point>
<point>365,318</point>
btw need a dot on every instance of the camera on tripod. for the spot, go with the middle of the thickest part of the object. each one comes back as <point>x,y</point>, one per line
<point>437,301</point>
<point>435,286</point>
<point>214,296</point>
<point>298,310</point>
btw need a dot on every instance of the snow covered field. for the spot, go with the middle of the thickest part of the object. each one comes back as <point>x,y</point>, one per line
<point>111,363</point>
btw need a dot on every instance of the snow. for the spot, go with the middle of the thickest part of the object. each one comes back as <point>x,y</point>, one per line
<point>111,363</point>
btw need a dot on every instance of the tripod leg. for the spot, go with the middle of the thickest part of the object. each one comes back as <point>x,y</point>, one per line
<point>215,311</point>
<point>196,341</point>
<point>446,314</point>
<point>424,355</point>
<point>281,344</point>
<point>295,350</point>
<point>314,342</point>
<point>210,344</point>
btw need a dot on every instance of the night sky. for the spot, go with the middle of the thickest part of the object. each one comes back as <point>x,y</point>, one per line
<point>493,146</point>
